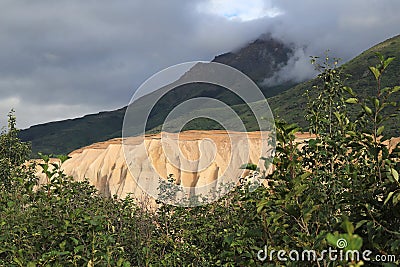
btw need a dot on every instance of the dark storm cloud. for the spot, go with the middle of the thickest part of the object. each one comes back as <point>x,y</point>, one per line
<point>61,59</point>
<point>91,55</point>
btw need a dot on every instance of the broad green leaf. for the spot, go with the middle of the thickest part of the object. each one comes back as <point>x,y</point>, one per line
<point>63,158</point>
<point>388,197</point>
<point>376,72</point>
<point>387,62</point>
<point>261,205</point>
<point>380,56</point>
<point>305,175</point>
<point>349,90</point>
<point>249,166</point>
<point>396,199</point>
<point>337,115</point>
<point>348,227</point>
<point>380,130</point>
<point>395,174</point>
<point>355,243</point>
<point>79,248</point>
<point>17,261</point>
<point>367,110</point>
<point>62,244</point>
<point>352,100</point>
<point>352,133</point>
<point>332,239</point>
<point>76,242</point>
<point>376,102</point>
<point>386,89</point>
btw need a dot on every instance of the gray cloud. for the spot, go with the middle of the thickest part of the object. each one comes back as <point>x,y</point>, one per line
<point>67,58</point>
<point>345,28</point>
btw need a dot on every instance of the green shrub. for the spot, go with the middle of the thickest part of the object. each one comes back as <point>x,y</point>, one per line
<point>345,174</point>
<point>344,184</point>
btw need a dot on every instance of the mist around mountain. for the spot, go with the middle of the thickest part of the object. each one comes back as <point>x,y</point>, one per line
<point>261,60</point>
<point>291,104</point>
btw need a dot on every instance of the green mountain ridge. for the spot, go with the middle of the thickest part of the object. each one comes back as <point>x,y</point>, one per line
<point>286,101</point>
<point>62,137</point>
<point>291,104</point>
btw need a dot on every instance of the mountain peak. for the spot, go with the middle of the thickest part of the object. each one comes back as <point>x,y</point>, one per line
<point>259,59</point>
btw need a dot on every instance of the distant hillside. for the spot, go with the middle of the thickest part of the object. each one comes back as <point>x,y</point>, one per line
<point>62,137</point>
<point>259,60</point>
<point>291,104</point>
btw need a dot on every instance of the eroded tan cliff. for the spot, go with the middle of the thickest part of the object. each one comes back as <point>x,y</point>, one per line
<point>195,159</point>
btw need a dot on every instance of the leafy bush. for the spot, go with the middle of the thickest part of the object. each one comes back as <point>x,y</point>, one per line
<point>342,185</point>
<point>13,153</point>
<point>346,173</point>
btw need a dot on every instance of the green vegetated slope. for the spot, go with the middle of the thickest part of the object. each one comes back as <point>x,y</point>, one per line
<point>62,137</point>
<point>291,104</point>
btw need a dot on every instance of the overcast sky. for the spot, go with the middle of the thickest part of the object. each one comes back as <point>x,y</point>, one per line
<point>67,58</point>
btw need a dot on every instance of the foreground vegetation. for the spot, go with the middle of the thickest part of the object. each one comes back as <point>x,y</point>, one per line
<point>342,185</point>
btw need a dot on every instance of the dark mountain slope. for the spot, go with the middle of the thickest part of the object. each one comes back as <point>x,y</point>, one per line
<point>62,137</point>
<point>259,60</point>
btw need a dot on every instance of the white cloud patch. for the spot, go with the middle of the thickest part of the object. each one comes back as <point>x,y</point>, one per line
<point>297,69</point>
<point>239,9</point>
